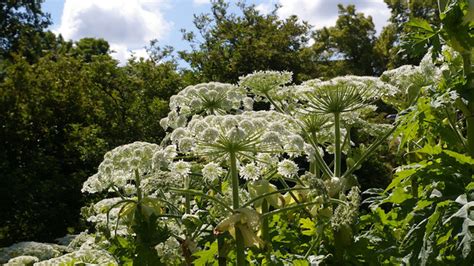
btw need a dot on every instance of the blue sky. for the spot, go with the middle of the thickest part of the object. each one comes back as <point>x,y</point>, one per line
<point>129,25</point>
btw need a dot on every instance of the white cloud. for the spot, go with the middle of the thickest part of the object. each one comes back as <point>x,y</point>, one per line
<point>321,13</point>
<point>128,25</point>
<point>201,2</point>
<point>264,8</point>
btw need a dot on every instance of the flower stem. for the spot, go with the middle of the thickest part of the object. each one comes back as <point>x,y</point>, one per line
<point>313,164</point>
<point>265,232</point>
<point>222,260</point>
<point>239,240</point>
<point>187,196</point>
<point>369,151</point>
<point>337,143</point>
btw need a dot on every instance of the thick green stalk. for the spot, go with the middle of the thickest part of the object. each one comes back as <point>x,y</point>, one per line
<point>313,165</point>
<point>222,260</point>
<point>266,232</point>
<point>337,143</point>
<point>187,196</point>
<point>239,240</point>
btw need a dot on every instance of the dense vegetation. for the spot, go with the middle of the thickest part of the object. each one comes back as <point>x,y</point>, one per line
<point>356,149</point>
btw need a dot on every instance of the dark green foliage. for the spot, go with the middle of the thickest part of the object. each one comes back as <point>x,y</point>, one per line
<point>59,116</point>
<point>229,46</point>
<point>388,45</point>
<point>22,25</point>
<point>352,40</point>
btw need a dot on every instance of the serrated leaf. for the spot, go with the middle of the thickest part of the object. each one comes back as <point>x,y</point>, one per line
<point>308,227</point>
<point>204,257</point>
<point>420,24</point>
<point>431,150</point>
<point>470,186</point>
<point>398,196</point>
<point>401,176</point>
<point>466,242</point>
<point>461,158</point>
<point>300,263</point>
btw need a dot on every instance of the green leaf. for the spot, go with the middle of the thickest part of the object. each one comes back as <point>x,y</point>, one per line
<point>470,186</point>
<point>431,150</point>
<point>300,263</point>
<point>398,196</point>
<point>461,158</point>
<point>465,235</point>
<point>402,175</point>
<point>308,227</point>
<point>206,256</point>
<point>420,24</point>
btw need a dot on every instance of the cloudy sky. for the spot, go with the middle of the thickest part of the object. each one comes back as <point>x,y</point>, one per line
<point>129,25</point>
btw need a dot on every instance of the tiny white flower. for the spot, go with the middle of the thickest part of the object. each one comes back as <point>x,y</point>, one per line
<point>271,137</point>
<point>181,168</point>
<point>236,133</point>
<point>212,171</point>
<point>248,103</point>
<point>209,134</point>
<point>178,134</point>
<point>170,152</point>
<point>164,123</point>
<point>185,144</point>
<point>250,172</point>
<point>287,168</point>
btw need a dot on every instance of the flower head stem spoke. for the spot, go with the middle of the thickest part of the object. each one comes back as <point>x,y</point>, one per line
<point>283,182</point>
<point>369,151</point>
<point>201,194</point>
<point>337,143</point>
<point>272,193</point>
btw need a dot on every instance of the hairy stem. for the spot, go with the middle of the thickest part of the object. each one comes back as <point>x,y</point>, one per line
<point>239,240</point>
<point>187,196</point>
<point>265,231</point>
<point>222,260</point>
<point>314,163</point>
<point>337,143</point>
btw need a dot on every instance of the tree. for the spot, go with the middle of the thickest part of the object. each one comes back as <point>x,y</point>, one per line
<point>388,45</point>
<point>348,46</point>
<point>59,116</point>
<point>86,48</point>
<point>229,46</point>
<point>21,21</point>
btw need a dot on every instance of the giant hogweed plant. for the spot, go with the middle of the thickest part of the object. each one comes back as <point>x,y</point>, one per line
<point>425,216</point>
<point>227,180</point>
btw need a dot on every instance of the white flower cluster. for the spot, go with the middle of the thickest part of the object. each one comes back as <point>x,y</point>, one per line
<point>42,251</point>
<point>181,168</point>
<point>81,256</point>
<point>372,87</point>
<point>263,82</point>
<point>98,216</point>
<point>409,79</point>
<point>119,164</point>
<point>287,168</point>
<point>345,214</point>
<point>274,129</point>
<point>169,251</point>
<point>22,260</point>
<point>272,134</point>
<point>339,95</point>
<point>205,99</point>
<point>212,171</point>
<point>82,240</point>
